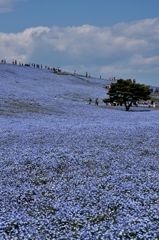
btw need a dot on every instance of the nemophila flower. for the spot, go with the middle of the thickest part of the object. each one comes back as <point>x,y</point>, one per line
<point>78,172</point>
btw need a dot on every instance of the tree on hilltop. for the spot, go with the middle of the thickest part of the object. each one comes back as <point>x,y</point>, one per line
<point>128,92</point>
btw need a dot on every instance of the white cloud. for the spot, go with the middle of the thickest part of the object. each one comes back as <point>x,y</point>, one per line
<point>20,46</point>
<point>138,59</point>
<point>125,49</point>
<point>7,5</point>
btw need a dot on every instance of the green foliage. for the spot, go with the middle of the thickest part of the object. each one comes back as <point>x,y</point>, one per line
<point>128,92</point>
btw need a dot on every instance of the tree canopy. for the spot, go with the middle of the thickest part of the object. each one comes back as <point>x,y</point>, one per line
<point>128,92</point>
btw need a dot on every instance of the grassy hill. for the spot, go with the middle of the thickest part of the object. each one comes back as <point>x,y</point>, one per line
<point>33,89</point>
<point>70,170</point>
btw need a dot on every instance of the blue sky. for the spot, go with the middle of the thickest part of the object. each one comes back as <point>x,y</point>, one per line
<point>103,37</point>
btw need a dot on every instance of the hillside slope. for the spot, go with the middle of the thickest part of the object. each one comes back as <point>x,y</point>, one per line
<point>33,89</point>
<point>70,170</point>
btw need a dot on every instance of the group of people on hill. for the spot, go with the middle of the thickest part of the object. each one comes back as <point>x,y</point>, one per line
<point>56,70</point>
<point>3,61</point>
<point>151,103</point>
<point>27,64</point>
<point>96,101</point>
<point>88,74</point>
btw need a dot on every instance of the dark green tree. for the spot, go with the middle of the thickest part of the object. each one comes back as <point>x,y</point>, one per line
<point>128,92</point>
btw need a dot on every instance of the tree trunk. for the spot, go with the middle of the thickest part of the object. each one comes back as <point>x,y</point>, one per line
<point>127,106</point>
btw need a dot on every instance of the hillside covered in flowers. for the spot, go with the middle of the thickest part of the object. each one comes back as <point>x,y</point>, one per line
<point>70,169</point>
